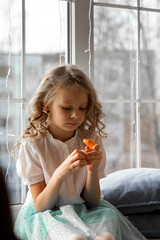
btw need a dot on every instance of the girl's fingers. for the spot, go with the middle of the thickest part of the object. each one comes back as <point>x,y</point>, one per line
<point>96,147</point>
<point>94,155</point>
<point>78,159</point>
<point>79,163</point>
<point>87,149</point>
<point>74,152</point>
<point>81,152</point>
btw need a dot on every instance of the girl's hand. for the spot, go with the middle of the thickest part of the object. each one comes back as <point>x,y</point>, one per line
<point>76,160</point>
<point>93,157</point>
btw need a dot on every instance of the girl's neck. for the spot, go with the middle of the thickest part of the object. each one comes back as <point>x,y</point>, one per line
<point>62,136</point>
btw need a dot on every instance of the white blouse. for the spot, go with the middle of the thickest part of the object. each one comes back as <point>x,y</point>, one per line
<point>38,160</point>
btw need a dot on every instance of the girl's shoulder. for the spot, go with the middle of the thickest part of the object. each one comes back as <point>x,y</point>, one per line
<point>34,142</point>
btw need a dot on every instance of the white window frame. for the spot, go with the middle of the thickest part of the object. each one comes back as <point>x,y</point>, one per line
<point>80,41</point>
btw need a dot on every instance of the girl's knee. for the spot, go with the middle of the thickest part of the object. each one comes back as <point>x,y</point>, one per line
<point>77,237</point>
<point>104,236</point>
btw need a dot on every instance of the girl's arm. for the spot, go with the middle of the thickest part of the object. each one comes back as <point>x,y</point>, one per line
<point>91,192</point>
<point>45,196</point>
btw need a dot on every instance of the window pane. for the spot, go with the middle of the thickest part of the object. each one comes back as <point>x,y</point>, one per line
<point>8,137</point>
<point>45,38</point>
<point>150,134</point>
<point>123,2</point>
<point>150,55</point>
<point>150,4</point>
<point>10,47</point>
<point>120,143</point>
<point>45,46</point>
<point>115,52</point>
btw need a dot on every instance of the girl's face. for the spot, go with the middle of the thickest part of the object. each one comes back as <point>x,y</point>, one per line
<point>67,112</point>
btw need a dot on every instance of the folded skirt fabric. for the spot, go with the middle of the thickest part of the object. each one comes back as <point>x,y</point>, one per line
<point>65,221</point>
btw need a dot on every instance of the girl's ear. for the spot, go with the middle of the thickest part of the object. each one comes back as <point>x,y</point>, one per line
<point>46,109</point>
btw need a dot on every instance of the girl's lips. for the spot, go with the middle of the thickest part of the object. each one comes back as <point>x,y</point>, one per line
<point>72,124</point>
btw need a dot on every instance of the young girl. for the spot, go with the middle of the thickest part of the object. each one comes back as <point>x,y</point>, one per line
<point>63,200</point>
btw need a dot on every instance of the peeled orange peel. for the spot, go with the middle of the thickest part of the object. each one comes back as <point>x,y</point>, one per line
<point>89,142</point>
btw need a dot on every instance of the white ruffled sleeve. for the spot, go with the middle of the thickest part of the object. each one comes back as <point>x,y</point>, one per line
<point>28,164</point>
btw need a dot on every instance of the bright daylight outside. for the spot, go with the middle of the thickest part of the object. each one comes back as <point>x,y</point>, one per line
<point>45,40</point>
<point>125,87</point>
<point>117,38</point>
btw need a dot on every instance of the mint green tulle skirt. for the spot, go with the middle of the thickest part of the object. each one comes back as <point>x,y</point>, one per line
<point>63,222</point>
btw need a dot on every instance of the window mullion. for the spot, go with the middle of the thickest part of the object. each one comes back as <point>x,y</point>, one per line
<point>80,34</point>
<point>23,85</point>
<point>138,97</point>
<point>23,55</point>
<point>69,33</point>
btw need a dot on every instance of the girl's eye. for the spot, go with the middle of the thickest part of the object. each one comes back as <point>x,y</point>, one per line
<point>66,108</point>
<point>83,109</point>
<point>70,108</point>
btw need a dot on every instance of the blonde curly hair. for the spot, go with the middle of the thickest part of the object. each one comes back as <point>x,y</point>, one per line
<point>56,79</point>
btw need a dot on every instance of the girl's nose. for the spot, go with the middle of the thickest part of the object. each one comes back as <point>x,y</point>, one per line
<point>75,114</point>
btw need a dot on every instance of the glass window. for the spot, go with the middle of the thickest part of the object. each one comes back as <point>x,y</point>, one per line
<point>115,45</point>
<point>125,84</point>
<point>126,75</point>
<point>120,2</point>
<point>150,134</point>
<point>10,48</point>
<point>150,55</point>
<point>45,38</point>
<point>44,46</point>
<point>120,142</point>
<point>150,4</point>
<point>10,122</point>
